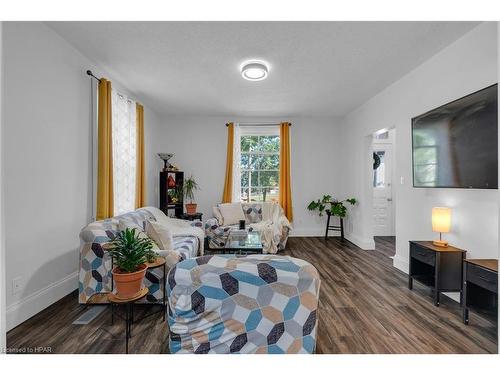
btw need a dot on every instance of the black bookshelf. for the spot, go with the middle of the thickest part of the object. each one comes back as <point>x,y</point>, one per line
<point>167,205</point>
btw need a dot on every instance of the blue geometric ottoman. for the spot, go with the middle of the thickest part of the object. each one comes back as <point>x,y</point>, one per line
<point>250,304</point>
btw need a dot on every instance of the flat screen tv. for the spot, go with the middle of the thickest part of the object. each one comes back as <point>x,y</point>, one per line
<point>456,145</point>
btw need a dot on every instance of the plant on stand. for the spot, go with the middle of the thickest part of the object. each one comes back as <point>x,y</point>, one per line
<point>130,253</point>
<point>336,207</point>
<point>190,186</point>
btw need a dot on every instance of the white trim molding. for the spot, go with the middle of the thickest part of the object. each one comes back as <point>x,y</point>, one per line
<point>310,232</point>
<point>401,263</point>
<point>31,305</point>
<point>363,243</point>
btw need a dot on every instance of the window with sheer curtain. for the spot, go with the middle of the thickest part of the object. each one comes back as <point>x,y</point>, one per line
<point>124,130</point>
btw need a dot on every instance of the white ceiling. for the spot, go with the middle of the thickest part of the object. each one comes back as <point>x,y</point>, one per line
<point>316,68</point>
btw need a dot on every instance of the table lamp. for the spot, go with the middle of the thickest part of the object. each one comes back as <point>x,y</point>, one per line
<point>441,222</point>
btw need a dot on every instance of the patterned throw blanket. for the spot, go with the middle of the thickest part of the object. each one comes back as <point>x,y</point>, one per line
<point>271,227</point>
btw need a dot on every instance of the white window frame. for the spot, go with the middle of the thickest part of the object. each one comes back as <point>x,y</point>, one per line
<point>257,130</point>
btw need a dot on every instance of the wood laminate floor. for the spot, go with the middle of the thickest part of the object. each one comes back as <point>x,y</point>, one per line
<point>365,307</point>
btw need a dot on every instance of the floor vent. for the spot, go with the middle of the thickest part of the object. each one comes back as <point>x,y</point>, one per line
<point>90,314</point>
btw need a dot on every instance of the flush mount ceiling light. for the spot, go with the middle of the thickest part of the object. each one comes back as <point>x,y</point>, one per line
<point>254,70</point>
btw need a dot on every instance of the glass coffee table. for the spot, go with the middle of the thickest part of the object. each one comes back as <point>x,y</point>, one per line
<point>239,242</point>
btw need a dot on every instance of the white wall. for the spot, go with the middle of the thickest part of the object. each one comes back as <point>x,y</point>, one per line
<point>199,145</point>
<point>47,160</point>
<point>465,66</point>
<point>3,329</point>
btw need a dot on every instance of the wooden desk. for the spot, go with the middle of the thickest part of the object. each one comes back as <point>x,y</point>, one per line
<point>480,288</point>
<point>439,268</point>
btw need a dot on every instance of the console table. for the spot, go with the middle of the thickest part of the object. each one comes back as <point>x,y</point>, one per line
<point>480,288</point>
<point>439,268</point>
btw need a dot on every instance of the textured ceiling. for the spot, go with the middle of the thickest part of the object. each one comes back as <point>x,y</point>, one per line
<point>316,68</point>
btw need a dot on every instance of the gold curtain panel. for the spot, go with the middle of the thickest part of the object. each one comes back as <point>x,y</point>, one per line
<point>285,196</point>
<point>105,201</point>
<point>140,185</point>
<point>227,195</point>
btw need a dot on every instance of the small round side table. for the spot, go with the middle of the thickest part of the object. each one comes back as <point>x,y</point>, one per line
<point>129,316</point>
<point>161,262</point>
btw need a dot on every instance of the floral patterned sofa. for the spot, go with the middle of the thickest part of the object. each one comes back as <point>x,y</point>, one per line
<point>265,217</point>
<point>95,262</point>
<point>234,304</point>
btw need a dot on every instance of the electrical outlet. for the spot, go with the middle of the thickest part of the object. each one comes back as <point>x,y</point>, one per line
<point>16,285</point>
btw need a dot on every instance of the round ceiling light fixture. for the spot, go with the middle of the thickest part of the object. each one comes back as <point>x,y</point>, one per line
<point>254,70</point>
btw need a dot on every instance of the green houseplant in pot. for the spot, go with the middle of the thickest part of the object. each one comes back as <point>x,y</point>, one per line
<point>336,207</point>
<point>190,186</point>
<point>130,254</point>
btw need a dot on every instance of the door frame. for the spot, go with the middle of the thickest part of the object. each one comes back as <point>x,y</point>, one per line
<point>388,147</point>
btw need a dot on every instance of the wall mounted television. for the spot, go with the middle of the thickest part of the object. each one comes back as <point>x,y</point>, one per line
<point>456,145</point>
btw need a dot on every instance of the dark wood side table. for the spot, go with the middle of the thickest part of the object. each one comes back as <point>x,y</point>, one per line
<point>129,310</point>
<point>439,268</point>
<point>480,288</point>
<point>191,217</point>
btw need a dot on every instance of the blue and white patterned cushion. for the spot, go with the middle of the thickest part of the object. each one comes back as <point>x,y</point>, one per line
<point>253,212</point>
<point>253,304</point>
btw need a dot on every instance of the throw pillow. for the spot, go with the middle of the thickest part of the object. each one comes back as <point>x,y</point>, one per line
<point>160,234</point>
<point>218,215</point>
<point>123,224</point>
<point>231,212</point>
<point>253,212</point>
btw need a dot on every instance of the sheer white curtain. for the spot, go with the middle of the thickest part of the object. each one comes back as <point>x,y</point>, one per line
<point>236,164</point>
<point>124,129</point>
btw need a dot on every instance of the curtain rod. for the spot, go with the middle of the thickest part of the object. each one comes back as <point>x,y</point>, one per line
<point>89,72</point>
<point>258,124</point>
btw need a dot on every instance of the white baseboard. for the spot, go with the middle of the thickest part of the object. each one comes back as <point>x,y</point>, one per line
<point>311,232</point>
<point>401,264</point>
<point>25,308</point>
<point>363,243</point>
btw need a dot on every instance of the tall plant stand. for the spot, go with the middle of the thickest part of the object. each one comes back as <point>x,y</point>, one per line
<point>129,311</point>
<point>336,228</point>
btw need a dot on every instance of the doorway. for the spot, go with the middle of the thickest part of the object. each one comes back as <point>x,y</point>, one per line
<point>384,230</point>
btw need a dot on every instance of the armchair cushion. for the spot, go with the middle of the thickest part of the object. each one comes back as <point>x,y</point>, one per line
<point>232,213</point>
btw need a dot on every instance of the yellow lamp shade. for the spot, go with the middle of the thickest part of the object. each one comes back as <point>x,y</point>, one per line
<point>441,219</point>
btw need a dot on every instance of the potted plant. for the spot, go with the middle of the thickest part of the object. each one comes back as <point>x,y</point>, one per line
<point>190,185</point>
<point>174,195</point>
<point>130,254</point>
<point>336,207</point>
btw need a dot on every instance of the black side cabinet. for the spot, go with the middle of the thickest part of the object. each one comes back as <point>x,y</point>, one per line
<point>439,268</point>
<point>481,288</point>
<point>171,192</point>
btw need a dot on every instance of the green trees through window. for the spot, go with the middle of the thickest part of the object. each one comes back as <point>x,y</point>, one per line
<point>259,167</point>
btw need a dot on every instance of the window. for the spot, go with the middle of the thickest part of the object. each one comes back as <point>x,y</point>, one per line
<point>425,152</point>
<point>259,164</point>
<point>379,173</point>
<point>124,128</point>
